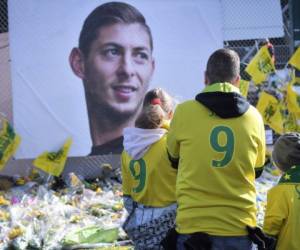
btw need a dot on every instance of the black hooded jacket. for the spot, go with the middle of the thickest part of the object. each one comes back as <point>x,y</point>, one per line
<point>224,104</point>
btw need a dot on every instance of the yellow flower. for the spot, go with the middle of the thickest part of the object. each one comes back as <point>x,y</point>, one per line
<point>4,216</point>
<point>15,232</point>
<point>3,201</point>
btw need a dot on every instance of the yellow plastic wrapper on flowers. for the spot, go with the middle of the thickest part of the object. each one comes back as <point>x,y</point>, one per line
<point>261,65</point>
<point>9,142</point>
<point>293,96</point>
<point>53,162</point>
<point>295,59</point>
<point>90,235</point>
<point>268,106</point>
<point>244,87</point>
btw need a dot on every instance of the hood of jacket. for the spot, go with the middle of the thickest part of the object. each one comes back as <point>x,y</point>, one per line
<point>224,100</point>
<point>137,140</point>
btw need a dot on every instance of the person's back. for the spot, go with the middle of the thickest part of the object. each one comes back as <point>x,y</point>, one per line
<point>147,176</point>
<point>282,217</point>
<point>149,180</point>
<point>218,140</point>
<point>217,159</point>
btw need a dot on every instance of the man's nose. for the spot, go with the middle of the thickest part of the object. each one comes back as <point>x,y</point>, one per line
<point>126,67</point>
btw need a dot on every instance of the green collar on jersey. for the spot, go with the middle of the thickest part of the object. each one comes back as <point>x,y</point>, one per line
<point>291,176</point>
<point>221,87</point>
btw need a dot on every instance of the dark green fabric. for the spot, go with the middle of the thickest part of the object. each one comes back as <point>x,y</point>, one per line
<point>291,176</point>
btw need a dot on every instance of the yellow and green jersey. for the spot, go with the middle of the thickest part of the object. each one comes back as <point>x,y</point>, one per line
<point>150,180</point>
<point>282,217</point>
<point>217,160</point>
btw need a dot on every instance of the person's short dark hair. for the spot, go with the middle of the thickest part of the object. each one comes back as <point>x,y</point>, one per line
<point>286,151</point>
<point>223,66</point>
<point>108,14</point>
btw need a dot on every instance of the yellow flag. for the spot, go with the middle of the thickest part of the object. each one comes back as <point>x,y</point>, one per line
<point>297,118</point>
<point>295,59</point>
<point>53,162</point>
<point>269,108</point>
<point>293,95</point>
<point>261,65</point>
<point>291,123</point>
<point>244,87</point>
<point>9,142</point>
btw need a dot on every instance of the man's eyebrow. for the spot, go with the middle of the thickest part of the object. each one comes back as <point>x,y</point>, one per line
<point>117,45</point>
<point>142,48</point>
<point>111,44</point>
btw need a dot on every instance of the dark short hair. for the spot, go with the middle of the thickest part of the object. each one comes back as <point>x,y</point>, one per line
<point>108,14</point>
<point>286,151</point>
<point>223,66</point>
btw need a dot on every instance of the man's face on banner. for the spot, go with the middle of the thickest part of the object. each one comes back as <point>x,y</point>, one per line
<point>118,68</point>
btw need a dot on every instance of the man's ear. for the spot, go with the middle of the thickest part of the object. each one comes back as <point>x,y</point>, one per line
<point>237,81</point>
<point>76,62</point>
<point>206,80</point>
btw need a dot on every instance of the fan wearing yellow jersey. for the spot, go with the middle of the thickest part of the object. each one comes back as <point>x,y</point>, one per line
<point>218,141</point>
<point>282,217</point>
<point>147,175</point>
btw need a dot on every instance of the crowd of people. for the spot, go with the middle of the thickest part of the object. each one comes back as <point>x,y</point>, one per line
<point>188,172</point>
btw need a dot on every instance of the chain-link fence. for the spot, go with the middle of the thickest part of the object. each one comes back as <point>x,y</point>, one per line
<point>282,52</point>
<point>5,80</point>
<point>247,49</point>
<point>3,16</point>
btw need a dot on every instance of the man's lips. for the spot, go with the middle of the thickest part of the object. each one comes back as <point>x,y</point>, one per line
<point>124,88</point>
<point>123,92</point>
